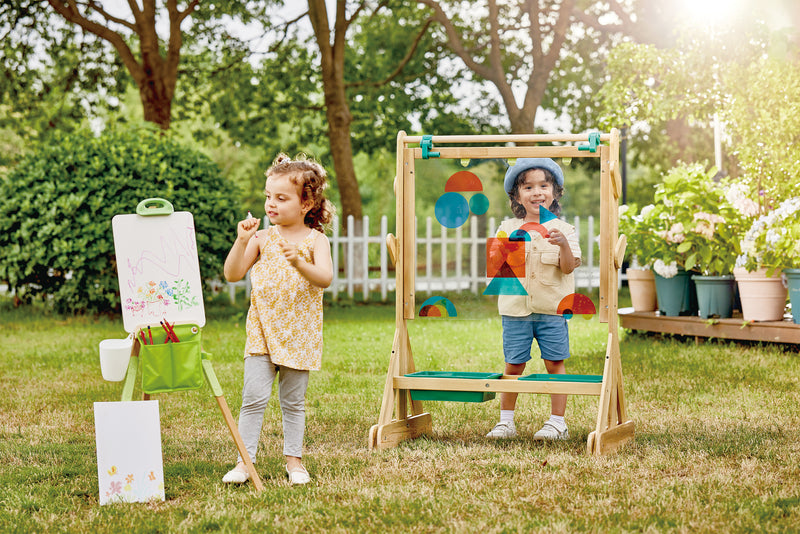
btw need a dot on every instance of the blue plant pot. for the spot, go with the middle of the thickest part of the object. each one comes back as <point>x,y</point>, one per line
<point>676,295</point>
<point>715,295</point>
<point>793,282</point>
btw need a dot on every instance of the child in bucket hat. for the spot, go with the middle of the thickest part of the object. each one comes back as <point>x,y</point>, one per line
<point>551,252</point>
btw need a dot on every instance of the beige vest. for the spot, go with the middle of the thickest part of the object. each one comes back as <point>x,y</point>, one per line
<point>544,281</point>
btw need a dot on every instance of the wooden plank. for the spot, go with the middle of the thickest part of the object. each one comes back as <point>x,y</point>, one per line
<point>606,239</point>
<point>392,434</point>
<point>509,152</point>
<point>408,264</point>
<point>497,385</point>
<point>733,328</point>
<point>514,138</point>
<point>612,439</point>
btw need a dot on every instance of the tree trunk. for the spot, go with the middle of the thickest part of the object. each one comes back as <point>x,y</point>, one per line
<point>157,106</point>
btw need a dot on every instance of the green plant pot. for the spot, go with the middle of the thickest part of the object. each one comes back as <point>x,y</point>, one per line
<point>793,283</point>
<point>676,296</point>
<point>715,295</point>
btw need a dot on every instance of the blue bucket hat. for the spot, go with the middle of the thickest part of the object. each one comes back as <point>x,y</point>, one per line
<point>526,164</point>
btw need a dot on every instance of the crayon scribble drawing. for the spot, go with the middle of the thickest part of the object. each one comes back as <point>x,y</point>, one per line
<point>159,269</point>
<point>157,298</point>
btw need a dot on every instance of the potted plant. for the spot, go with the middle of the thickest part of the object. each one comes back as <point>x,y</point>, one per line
<point>678,197</point>
<point>713,243</point>
<point>641,282</point>
<point>771,245</point>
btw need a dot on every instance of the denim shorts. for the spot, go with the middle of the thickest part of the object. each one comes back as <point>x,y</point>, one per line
<point>550,332</point>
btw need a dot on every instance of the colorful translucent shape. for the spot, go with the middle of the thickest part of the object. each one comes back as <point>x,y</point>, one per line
<point>463,181</point>
<point>520,235</point>
<point>505,258</point>
<point>545,215</point>
<point>451,210</point>
<point>479,204</point>
<point>505,286</point>
<point>576,304</point>
<point>533,227</point>
<point>437,306</point>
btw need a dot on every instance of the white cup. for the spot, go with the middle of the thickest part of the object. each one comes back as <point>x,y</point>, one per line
<point>114,357</point>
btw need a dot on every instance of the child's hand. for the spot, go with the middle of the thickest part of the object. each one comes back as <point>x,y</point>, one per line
<point>555,237</point>
<point>248,227</point>
<point>290,253</point>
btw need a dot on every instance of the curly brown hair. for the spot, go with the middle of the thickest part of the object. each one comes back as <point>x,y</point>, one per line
<point>312,180</point>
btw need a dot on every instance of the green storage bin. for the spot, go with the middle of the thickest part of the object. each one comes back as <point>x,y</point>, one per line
<point>172,366</point>
<point>592,379</point>
<point>453,396</point>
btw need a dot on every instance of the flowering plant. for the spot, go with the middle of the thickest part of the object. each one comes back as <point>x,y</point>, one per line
<point>695,223</point>
<point>773,240</point>
<point>636,228</point>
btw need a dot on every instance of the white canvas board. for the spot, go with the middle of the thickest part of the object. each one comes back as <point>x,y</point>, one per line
<point>158,269</point>
<point>129,463</point>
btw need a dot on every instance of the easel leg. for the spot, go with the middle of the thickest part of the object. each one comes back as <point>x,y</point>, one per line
<point>237,438</point>
<point>234,430</point>
<point>130,375</point>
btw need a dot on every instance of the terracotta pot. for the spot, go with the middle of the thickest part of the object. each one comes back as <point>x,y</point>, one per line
<point>642,284</point>
<point>763,298</point>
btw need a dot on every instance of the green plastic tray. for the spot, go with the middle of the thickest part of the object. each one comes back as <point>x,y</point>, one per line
<point>453,396</point>
<point>593,379</point>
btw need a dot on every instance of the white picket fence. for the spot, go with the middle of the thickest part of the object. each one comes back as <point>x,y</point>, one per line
<point>447,261</point>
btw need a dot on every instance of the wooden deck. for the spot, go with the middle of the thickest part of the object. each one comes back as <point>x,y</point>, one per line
<point>735,328</point>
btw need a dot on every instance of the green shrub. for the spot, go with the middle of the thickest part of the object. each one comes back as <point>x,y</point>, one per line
<point>56,207</point>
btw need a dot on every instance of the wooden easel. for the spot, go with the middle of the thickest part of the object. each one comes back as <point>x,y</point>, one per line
<point>211,379</point>
<point>401,417</point>
<point>157,242</point>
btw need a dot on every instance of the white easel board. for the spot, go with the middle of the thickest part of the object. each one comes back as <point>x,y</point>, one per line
<point>129,463</point>
<point>158,269</point>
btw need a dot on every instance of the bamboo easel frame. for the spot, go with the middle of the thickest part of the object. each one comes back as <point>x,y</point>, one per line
<point>402,418</point>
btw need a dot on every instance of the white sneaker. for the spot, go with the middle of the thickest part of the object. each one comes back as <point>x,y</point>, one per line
<point>235,476</point>
<point>550,433</point>
<point>503,430</point>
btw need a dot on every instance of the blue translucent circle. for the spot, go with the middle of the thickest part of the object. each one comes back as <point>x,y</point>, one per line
<point>479,204</point>
<point>451,210</point>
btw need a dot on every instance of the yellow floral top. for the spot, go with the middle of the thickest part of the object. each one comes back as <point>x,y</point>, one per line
<point>285,316</point>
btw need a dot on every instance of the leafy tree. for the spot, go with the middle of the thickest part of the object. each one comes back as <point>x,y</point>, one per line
<point>56,208</point>
<point>53,74</point>
<point>523,47</point>
<point>753,92</point>
<point>356,83</point>
<point>94,29</point>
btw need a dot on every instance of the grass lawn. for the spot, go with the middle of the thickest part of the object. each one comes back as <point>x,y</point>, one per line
<point>717,445</point>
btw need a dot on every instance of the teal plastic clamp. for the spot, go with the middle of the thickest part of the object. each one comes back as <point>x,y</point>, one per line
<point>154,206</point>
<point>426,145</point>
<point>594,142</point>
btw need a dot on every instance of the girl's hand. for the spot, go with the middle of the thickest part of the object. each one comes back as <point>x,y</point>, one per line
<point>247,227</point>
<point>290,253</point>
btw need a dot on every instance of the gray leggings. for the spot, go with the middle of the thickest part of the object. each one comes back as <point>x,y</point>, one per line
<point>259,374</point>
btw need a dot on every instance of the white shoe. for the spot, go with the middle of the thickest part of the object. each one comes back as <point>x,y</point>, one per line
<point>504,430</point>
<point>235,476</point>
<point>298,475</point>
<point>550,433</point>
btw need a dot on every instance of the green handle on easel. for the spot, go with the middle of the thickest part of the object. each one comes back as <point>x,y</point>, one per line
<point>154,206</point>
